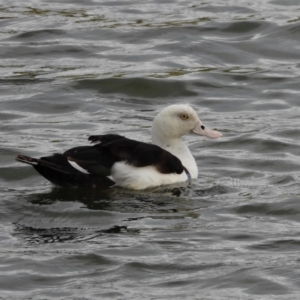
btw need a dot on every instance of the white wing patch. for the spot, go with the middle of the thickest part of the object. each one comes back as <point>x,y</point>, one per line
<point>77,167</point>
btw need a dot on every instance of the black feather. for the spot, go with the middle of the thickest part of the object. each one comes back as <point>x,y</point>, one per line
<point>141,154</point>
<point>57,170</point>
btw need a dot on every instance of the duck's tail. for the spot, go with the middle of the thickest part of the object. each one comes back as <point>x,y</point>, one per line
<point>57,170</point>
<point>27,160</point>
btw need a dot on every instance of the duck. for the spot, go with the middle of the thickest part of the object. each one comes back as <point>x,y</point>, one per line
<point>114,160</point>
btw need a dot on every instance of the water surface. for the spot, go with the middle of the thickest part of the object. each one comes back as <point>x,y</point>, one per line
<point>70,69</point>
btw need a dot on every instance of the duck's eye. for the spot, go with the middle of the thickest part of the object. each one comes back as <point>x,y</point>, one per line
<point>184,116</point>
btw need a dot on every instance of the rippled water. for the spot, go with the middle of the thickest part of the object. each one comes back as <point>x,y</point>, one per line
<point>74,68</point>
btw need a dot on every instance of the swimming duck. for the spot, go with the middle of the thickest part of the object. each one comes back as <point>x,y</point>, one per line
<point>118,161</point>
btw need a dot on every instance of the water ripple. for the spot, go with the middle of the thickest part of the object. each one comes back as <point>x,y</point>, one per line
<point>71,69</point>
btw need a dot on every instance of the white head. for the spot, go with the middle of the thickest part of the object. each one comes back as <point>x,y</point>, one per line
<point>177,120</point>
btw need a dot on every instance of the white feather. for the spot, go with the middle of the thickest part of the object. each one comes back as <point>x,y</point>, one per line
<point>77,167</point>
<point>135,178</point>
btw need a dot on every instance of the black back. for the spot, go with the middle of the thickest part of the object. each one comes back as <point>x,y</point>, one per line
<point>99,159</point>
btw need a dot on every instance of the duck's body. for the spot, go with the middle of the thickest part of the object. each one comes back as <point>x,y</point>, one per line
<point>116,160</point>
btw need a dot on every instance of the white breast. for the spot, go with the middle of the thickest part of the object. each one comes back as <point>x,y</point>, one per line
<point>180,150</point>
<point>131,177</point>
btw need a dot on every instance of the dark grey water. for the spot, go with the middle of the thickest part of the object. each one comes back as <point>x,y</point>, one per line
<point>69,69</point>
